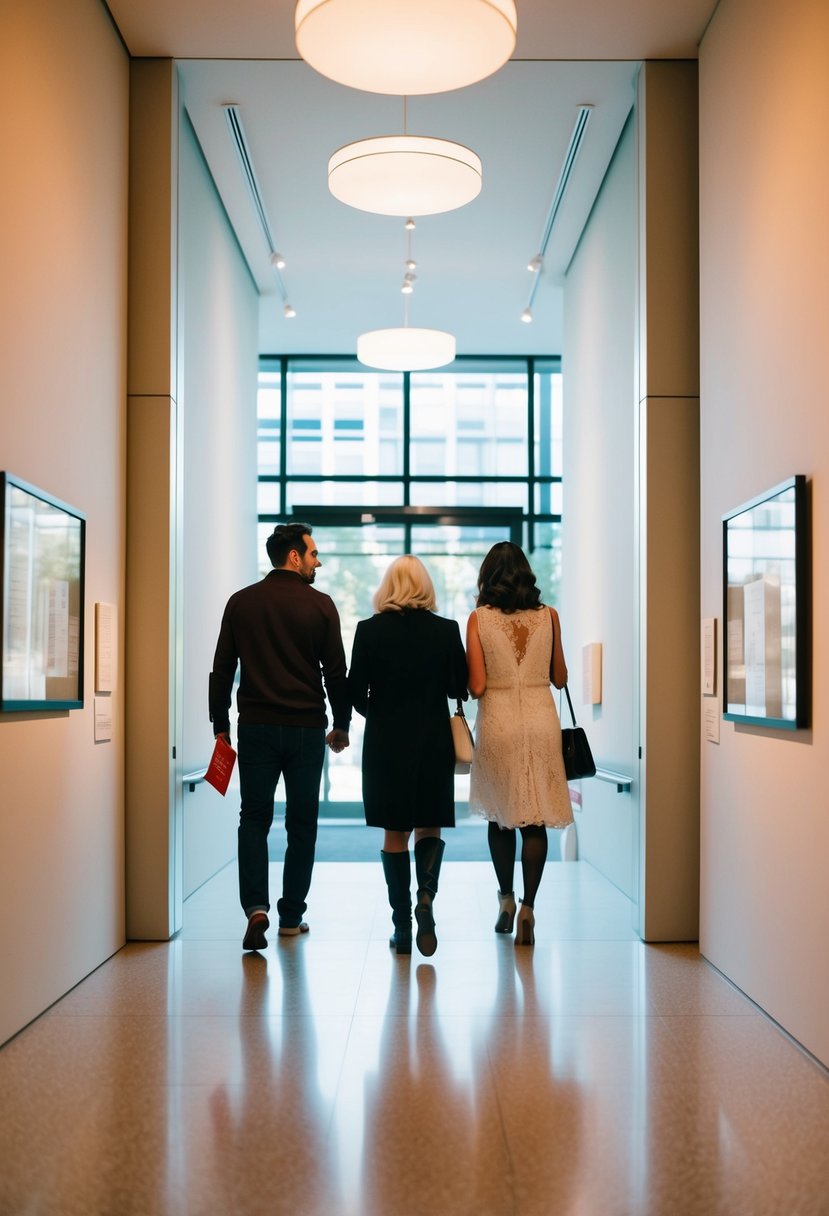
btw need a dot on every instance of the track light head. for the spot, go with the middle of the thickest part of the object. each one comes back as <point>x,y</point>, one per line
<point>527,316</point>
<point>289,311</point>
<point>277,261</point>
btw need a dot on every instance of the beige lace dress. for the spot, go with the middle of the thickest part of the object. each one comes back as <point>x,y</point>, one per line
<point>518,772</point>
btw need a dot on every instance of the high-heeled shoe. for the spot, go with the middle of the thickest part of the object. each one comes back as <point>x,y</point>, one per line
<point>506,912</point>
<point>525,927</point>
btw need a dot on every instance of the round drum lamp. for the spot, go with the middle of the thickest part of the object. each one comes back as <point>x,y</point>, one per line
<point>404,175</point>
<point>405,47</point>
<point>406,350</point>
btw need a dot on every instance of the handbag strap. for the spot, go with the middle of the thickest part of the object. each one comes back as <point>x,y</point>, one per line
<point>570,703</point>
<point>459,710</point>
<point>566,689</point>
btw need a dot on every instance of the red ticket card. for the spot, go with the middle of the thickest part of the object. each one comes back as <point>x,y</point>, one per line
<point>221,766</point>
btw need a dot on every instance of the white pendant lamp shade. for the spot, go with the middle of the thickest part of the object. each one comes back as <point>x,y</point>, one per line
<point>404,175</point>
<point>405,47</point>
<point>406,350</point>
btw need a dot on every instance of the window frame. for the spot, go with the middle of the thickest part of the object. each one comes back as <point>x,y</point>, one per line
<point>529,366</point>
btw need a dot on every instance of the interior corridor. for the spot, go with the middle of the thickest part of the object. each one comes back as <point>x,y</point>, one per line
<point>591,1074</point>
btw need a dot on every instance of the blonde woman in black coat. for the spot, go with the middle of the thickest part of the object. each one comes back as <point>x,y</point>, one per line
<point>405,663</point>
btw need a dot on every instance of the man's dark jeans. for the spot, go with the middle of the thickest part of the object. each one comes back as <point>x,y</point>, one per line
<point>265,753</point>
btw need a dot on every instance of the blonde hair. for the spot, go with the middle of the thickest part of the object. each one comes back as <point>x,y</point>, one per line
<point>406,584</point>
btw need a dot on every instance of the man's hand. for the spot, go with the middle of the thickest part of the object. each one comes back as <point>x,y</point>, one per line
<point>337,740</point>
<point>225,735</point>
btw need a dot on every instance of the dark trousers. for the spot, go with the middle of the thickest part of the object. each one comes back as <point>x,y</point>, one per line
<point>265,753</point>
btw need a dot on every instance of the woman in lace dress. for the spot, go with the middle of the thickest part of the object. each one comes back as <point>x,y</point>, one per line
<point>514,653</point>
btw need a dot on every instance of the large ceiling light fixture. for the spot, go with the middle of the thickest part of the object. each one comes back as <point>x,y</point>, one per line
<point>405,46</point>
<point>404,175</point>
<point>406,349</point>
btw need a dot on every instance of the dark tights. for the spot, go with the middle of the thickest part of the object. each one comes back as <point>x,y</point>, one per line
<point>533,857</point>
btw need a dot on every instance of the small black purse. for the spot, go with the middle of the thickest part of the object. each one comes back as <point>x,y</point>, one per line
<point>578,758</point>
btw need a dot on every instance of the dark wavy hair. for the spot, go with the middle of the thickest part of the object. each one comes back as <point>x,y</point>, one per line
<point>506,579</point>
<point>283,539</point>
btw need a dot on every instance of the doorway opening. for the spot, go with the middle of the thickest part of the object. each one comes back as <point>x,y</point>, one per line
<point>356,546</point>
<point>439,464</point>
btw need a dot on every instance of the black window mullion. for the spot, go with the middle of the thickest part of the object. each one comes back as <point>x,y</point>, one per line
<point>539,473</point>
<point>531,454</point>
<point>283,433</point>
<point>407,434</point>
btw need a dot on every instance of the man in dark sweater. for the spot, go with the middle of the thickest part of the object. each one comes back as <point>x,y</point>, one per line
<point>286,638</point>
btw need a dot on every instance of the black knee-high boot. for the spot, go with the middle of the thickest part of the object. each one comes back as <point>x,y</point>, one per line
<point>397,868</point>
<point>428,857</point>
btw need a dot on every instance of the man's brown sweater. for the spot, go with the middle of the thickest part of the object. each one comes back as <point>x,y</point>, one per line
<point>286,636</point>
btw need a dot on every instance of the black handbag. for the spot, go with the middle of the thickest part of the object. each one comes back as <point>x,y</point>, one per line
<point>578,758</point>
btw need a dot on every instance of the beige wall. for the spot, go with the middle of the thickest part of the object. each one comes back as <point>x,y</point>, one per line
<point>63,249</point>
<point>191,523</point>
<point>598,566</point>
<point>667,500</point>
<point>764,114</point>
<point>154,802</point>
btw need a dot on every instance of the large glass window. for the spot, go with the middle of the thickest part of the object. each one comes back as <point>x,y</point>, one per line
<point>442,464</point>
<point>480,433</point>
<point>469,424</point>
<point>343,423</point>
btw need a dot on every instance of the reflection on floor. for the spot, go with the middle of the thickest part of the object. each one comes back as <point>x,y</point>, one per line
<point>591,1075</point>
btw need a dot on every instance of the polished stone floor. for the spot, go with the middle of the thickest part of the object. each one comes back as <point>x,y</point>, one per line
<point>591,1075</point>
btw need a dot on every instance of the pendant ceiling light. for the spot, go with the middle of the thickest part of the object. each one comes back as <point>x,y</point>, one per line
<point>404,175</point>
<point>406,349</point>
<point>405,46</point>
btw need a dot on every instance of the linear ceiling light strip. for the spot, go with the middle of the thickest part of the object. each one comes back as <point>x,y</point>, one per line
<point>570,156</point>
<point>573,149</point>
<point>240,143</point>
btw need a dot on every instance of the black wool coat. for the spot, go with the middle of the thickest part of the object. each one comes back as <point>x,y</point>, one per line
<point>404,666</point>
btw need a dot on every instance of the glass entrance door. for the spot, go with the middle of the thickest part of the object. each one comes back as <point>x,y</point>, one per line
<point>356,547</point>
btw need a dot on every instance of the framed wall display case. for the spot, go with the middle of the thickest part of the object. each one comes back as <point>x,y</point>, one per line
<point>41,596</point>
<point>766,648</point>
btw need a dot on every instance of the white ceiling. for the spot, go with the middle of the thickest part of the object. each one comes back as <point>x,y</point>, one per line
<point>344,267</point>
